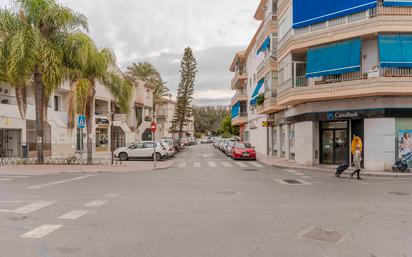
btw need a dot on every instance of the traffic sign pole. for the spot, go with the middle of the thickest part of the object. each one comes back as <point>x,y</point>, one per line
<point>81,124</point>
<point>153,128</point>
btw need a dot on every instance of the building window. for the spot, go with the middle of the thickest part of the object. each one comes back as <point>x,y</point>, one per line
<point>56,103</point>
<point>102,139</point>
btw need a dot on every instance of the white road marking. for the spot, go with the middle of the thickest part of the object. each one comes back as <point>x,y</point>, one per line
<point>5,179</point>
<point>32,207</point>
<point>182,165</point>
<point>299,174</point>
<point>212,164</point>
<point>60,182</point>
<point>13,176</point>
<point>227,165</point>
<point>291,171</point>
<point>241,164</point>
<point>96,203</point>
<point>73,215</point>
<point>111,195</point>
<point>197,165</point>
<point>309,177</point>
<point>256,165</point>
<point>41,231</point>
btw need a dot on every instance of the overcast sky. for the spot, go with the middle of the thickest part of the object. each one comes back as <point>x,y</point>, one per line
<point>158,31</point>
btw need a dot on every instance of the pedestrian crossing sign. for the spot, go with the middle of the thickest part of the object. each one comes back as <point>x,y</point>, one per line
<point>81,122</point>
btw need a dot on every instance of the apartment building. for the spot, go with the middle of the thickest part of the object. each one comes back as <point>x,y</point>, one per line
<point>110,127</point>
<point>344,70</point>
<point>255,81</point>
<point>164,118</point>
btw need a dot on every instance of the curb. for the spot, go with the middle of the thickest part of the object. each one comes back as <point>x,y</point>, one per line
<point>365,174</point>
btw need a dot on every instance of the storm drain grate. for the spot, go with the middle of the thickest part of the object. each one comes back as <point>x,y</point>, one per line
<point>399,193</point>
<point>293,181</point>
<point>324,236</point>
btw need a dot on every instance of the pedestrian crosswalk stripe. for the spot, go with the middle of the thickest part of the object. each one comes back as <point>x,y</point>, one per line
<point>182,165</point>
<point>197,165</point>
<point>73,215</point>
<point>241,164</point>
<point>227,165</point>
<point>299,174</point>
<point>41,231</point>
<point>256,165</point>
<point>212,164</point>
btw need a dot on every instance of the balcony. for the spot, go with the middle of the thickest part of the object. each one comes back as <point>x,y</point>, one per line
<point>161,113</point>
<point>270,105</point>
<point>239,80</point>
<point>378,20</point>
<point>120,117</point>
<point>269,26</point>
<point>241,119</point>
<point>378,82</point>
<point>240,96</point>
<point>268,64</point>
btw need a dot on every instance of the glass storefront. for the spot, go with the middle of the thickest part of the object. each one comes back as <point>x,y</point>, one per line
<point>102,139</point>
<point>334,142</point>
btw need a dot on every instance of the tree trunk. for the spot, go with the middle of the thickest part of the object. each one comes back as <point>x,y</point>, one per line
<point>39,99</point>
<point>89,126</point>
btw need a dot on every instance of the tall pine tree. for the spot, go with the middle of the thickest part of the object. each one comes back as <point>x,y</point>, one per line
<point>184,99</point>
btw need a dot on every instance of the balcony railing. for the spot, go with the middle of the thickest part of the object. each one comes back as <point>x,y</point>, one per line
<point>270,20</point>
<point>161,112</point>
<point>380,10</point>
<point>120,117</point>
<point>302,81</point>
<point>239,73</point>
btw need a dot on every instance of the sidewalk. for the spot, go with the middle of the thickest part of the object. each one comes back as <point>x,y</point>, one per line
<point>130,166</point>
<point>330,169</point>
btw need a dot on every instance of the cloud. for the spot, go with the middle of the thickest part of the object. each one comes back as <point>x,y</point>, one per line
<point>158,31</point>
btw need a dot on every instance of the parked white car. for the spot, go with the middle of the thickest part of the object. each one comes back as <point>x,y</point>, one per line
<point>142,150</point>
<point>170,148</point>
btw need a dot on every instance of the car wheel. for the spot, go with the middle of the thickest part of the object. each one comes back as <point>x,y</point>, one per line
<point>158,157</point>
<point>123,157</point>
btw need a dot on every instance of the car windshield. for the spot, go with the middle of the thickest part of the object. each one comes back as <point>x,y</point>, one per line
<point>242,145</point>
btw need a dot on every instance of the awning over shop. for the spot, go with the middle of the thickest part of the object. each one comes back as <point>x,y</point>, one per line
<point>307,12</point>
<point>256,91</point>
<point>265,45</point>
<point>236,110</point>
<point>395,50</point>
<point>332,59</point>
<point>397,3</point>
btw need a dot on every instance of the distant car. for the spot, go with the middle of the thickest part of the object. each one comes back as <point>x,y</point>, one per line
<point>206,140</point>
<point>243,151</point>
<point>228,147</point>
<point>142,150</point>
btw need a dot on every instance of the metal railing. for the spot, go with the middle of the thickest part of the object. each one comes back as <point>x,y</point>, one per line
<point>379,10</point>
<point>161,112</point>
<point>238,74</point>
<point>395,72</point>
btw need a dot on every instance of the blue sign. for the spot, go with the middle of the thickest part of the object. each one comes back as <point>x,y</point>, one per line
<point>81,122</point>
<point>307,12</point>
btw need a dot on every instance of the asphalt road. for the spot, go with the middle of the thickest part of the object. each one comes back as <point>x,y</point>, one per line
<point>205,205</point>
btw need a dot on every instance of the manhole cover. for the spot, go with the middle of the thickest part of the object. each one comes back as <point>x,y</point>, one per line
<point>226,193</point>
<point>399,193</point>
<point>250,170</point>
<point>324,236</point>
<point>292,181</point>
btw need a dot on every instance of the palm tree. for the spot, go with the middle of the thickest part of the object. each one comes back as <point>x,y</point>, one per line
<point>89,66</point>
<point>147,72</point>
<point>31,50</point>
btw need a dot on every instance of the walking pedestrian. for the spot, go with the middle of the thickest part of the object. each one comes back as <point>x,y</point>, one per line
<point>357,159</point>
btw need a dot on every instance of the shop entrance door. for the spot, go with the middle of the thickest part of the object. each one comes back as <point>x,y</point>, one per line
<point>10,143</point>
<point>334,142</point>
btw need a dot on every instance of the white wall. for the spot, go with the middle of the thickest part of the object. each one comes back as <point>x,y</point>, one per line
<point>304,143</point>
<point>379,143</point>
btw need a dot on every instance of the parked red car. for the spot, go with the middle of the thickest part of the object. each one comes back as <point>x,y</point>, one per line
<point>243,151</point>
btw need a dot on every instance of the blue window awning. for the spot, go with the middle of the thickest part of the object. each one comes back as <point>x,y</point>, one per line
<point>397,2</point>
<point>333,59</point>
<point>308,12</point>
<point>395,50</point>
<point>256,91</point>
<point>236,110</point>
<point>265,45</point>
